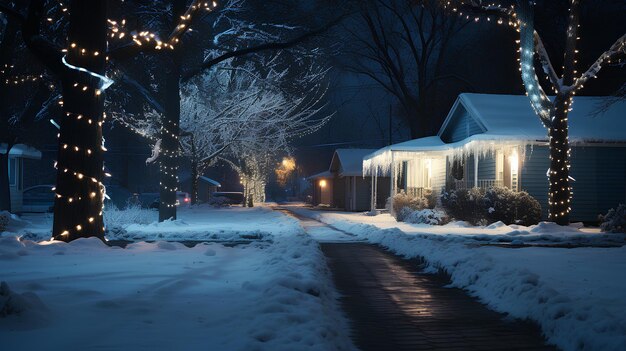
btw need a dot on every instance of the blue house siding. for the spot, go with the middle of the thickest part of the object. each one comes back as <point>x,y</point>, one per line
<point>469,171</point>
<point>533,175</point>
<point>600,174</point>
<point>487,167</point>
<point>461,126</point>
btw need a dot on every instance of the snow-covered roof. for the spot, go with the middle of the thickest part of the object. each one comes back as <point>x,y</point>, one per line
<point>511,117</point>
<point>325,174</point>
<point>21,150</point>
<point>210,181</point>
<point>431,143</point>
<point>349,162</point>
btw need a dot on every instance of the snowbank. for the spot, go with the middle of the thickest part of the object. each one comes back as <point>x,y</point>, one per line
<point>194,223</point>
<point>463,232</point>
<point>575,295</point>
<point>267,295</point>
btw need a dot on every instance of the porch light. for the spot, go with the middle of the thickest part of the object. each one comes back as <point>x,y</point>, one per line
<point>323,183</point>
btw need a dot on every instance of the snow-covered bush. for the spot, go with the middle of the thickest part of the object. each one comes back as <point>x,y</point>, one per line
<point>132,214</point>
<point>5,217</point>
<point>426,216</point>
<point>528,209</point>
<point>219,201</point>
<point>12,303</point>
<point>615,220</point>
<point>465,205</point>
<point>511,207</point>
<point>495,204</point>
<point>402,201</point>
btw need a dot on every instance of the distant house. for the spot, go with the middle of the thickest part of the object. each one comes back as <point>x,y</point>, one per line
<point>17,155</point>
<point>343,185</point>
<point>322,188</point>
<point>497,140</point>
<point>206,187</point>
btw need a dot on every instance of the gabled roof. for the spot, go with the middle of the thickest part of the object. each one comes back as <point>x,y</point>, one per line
<point>210,181</point>
<point>511,117</point>
<point>21,150</point>
<point>349,162</point>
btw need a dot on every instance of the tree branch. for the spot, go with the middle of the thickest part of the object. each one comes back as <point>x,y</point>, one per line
<point>619,47</point>
<point>548,69</point>
<point>259,48</point>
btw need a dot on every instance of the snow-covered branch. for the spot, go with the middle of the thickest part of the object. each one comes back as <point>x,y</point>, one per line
<point>546,63</point>
<point>618,48</point>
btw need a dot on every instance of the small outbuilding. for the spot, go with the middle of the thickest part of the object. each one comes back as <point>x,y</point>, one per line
<point>343,185</point>
<point>17,154</point>
<point>322,188</point>
<point>206,187</point>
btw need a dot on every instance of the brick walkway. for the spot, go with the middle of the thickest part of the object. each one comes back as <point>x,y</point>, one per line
<point>394,305</point>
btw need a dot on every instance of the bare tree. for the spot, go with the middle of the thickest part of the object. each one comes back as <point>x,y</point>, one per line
<point>241,115</point>
<point>552,112</point>
<point>404,46</point>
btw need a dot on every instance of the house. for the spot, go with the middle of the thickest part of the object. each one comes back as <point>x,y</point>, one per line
<point>343,185</point>
<point>497,140</point>
<point>206,187</point>
<point>17,154</point>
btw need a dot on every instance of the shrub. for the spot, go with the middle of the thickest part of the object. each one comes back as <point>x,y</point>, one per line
<point>402,201</point>
<point>528,209</point>
<point>614,221</point>
<point>465,204</point>
<point>508,206</point>
<point>5,217</point>
<point>495,204</point>
<point>132,214</point>
<point>219,201</point>
<point>426,216</point>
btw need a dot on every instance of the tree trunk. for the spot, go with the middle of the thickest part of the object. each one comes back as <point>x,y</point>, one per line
<point>169,141</point>
<point>560,191</point>
<point>79,189</point>
<point>5,190</point>
<point>6,58</point>
<point>195,174</point>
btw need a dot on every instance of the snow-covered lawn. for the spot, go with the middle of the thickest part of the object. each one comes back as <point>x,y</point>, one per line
<point>272,294</point>
<point>577,296</point>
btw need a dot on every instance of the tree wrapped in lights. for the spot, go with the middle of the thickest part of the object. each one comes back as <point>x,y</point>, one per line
<point>80,69</point>
<point>553,113</point>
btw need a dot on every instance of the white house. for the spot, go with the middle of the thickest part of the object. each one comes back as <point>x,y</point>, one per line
<point>17,155</point>
<point>497,140</point>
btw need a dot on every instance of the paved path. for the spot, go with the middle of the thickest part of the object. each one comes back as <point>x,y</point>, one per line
<point>394,305</point>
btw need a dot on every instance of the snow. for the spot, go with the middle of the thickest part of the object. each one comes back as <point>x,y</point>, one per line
<point>505,120</point>
<point>512,116</point>
<point>270,294</point>
<point>349,162</point>
<point>575,295</point>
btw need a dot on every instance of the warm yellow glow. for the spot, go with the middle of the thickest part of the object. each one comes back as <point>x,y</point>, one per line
<point>323,183</point>
<point>514,161</point>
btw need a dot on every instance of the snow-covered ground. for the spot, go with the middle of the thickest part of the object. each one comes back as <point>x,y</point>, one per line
<point>576,295</point>
<point>272,294</point>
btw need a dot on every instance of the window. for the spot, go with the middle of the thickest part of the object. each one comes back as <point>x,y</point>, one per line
<point>12,171</point>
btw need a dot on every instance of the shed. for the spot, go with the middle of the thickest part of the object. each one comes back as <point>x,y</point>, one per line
<point>206,187</point>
